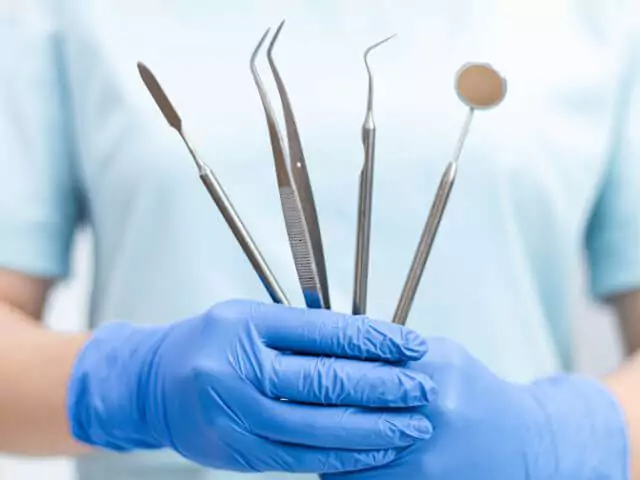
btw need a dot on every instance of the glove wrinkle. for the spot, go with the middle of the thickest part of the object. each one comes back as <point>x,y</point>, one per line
<point>566,427</point>
<point>210,388</point>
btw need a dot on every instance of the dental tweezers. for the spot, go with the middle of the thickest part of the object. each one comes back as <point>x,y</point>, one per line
<point>296,196</point>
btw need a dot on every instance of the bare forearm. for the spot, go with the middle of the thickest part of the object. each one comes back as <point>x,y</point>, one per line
<point>34,368</point>
<point>625,385</point>
<point>628,309</point>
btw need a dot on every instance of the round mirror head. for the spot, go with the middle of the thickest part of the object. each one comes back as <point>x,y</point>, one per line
<point>480,86</point>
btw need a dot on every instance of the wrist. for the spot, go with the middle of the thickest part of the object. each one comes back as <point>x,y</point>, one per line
<point>108,388</point>
<point>581,431</point>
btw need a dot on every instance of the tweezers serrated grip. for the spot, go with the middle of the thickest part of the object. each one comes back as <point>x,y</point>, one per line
<point>301,248</point>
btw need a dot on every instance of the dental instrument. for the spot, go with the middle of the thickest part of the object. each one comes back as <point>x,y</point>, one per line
<point>215,190</point>
<point>365,197</point>
<point>296,195</point>
<point>480,87</point>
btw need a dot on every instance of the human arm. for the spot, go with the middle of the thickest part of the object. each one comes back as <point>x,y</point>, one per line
<point>211,386</point>
<point>34,366</point>
<point>563,427</point>
<point>613,241</point>
<point>625,383</point>
<point>128,387</point>
<point>38,215</point>
<point>627,308</point>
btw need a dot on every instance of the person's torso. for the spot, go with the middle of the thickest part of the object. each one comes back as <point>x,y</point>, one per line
<point>500,276</point>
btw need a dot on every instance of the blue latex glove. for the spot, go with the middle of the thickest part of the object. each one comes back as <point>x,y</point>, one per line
<point>211,388</point>
<point>561,428</point>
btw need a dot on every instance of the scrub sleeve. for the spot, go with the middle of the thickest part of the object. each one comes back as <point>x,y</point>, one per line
<point>38,194</point>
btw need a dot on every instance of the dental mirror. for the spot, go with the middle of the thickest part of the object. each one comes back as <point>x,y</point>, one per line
<point>480,87</point>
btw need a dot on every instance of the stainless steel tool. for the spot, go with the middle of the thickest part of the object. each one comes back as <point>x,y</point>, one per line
<point>365,197</point>
<point>480,87</point>
<point>215,190</point>
<point>296,196</point>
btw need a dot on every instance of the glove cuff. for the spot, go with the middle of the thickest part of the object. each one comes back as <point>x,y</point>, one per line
<point>106,395</point>
<point>584,429</point>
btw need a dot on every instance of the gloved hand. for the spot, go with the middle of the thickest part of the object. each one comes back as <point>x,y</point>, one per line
<point>562,428</point>
<point>253,387</point>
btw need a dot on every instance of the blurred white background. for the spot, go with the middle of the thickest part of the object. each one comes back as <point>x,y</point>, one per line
<point>597,344</point>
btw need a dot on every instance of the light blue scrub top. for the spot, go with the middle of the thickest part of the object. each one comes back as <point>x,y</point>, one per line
<point>556,167</point>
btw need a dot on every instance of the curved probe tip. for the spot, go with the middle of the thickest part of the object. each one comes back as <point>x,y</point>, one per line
<point>369,73</point>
